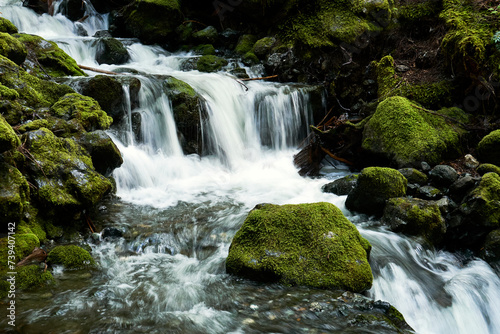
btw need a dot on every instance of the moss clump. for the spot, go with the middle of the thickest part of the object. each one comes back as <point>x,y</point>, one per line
<point>84,109</point>
<point>7,93</point>
<point>207,35</point>
<point>488,148</point>
<point>305,244</point>
<point>14,194</point>
<point>55,62</point>
<point>211,63</point>
<point>374,187</point>
<point>414,176</point>
<point>71,257</point>
<point>25,244</point>
<point>415,217</point>
<point>416,10</point>
<point>12,48</point>
<point>8,138</point>
<point>263,46</point>
<point>245,44</point>
<point>250,58</point>
<point>204,49</point>
<point>487,200</point>
<point>405,134</point>
<point>29,277</point>
<point>7,26</point>
<point>488,168</point>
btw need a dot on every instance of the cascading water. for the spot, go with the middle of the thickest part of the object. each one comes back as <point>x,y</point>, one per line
<point>179,212</point>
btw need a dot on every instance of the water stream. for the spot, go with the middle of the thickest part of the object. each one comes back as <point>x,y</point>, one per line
<point>178,214</point>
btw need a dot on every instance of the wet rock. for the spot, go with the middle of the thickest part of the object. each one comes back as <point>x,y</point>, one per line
<point>429,192</point>
<point>240,73</point>
<point>71,257</point>
<point>211,63</point>
<point>12,48</point>
<point>204,49</point>
<point>14,194</point>
<point>491,249</point>
<point>206,36</point>
<point>488,149</point>
<point>263,47</point>
<point>374,187</point>
<point>104,153</point>
<point>8,138</point>
<point>245,44</point>
<point>7,26</point>
<point>414,176</point>
<point>443,175</point>
<point>416,217</point>
<point>342,186</point>
<point>461,187</point>
<point>282,243</point>
<point>111,233</point>
<point>111,51</point>
<point>102,34</point>
<point>404,135</point>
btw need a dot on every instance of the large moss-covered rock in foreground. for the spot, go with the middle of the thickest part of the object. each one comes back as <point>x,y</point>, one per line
<point>405,135</point>
<point>14,193</point>
<point>71,257</point>
<point>53,61</point>
<point>63,173</point>
<point>305,244</point>
<point>374,187</point>
<point>414,216</point>
<point>488,148</point>
<point>7,26</point>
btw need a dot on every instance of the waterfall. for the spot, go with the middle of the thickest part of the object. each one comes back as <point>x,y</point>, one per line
<point>179,213</point>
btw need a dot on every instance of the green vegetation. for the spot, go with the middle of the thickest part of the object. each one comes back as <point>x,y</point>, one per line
<point>488,148</point>
<point>211,63</point>
<point>12,48</point>
<point>29,277</point>
<point>71,257</point>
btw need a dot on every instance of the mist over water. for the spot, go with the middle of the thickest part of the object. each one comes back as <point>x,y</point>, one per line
<point>179,213</point>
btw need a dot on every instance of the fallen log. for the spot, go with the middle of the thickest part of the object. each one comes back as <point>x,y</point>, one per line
<point>261,78</point>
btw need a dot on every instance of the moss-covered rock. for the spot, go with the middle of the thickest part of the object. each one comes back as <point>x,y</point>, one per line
<point>106,90</point>
<point>63,173</point>
<point>84,109</point>
<point>7,26</point>
<point>111,51</point>
<point>342,186</point>
<point>488,168</point>
<point>488,149</point>
<point>405,135</point>
<point>71,257</point>
<point>53,61</point>
<point>204,49</point>
<point>25,244</point>
<point>207,36</point>
<point>245,44</point>
<point>152,21</point>
<point>211,63</point>
<point>12,48</point>
<point>14,194</point>
<point>491,248</point>
<point>33,92</point>
<point>414,176</point>
<point>250,59</point>
<point>374,187</point>
<point>305,244</point>
<point>29,277</point>
<point>8,138</point>
<point>417,217</point>
<point>263,46</point>
<point>104,153</point>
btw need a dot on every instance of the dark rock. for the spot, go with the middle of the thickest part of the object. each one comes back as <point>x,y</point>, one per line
<point>108,92</point>
<point>14,194</point>
<point>461,187</point>
<point>111,233</point>
<point>443,175</point>
<point>446,205</point>
<point>414,176</point>
<point>429,192</point>
<point>374,187</point>
<point>102,34</point>
<point>487,168</point>
<point>206,36</point>
<point>240,73</point>
<point>414,216</point>
<point>488,149</point>
<point>425,166</point>
<point>111,51</point>
<point>491,249</point>
<point>342,186</point>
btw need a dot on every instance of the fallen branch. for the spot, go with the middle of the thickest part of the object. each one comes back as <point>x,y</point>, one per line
<point>261,78</point>
<point>96,70</point>
<point>333,156</point>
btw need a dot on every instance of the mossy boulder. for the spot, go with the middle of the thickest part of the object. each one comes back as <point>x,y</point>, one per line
<point>488,148</point>
<point>305,244</point>
<point>83,109</point>
<point>7,26</point>
<point>8,138</point>
<point>25,244</point>
<point>374,187</point>
<point>111,51</point>
<point>487,168</point>
<point>187,108</point>
<point>14,194</point>
<point>54,61</point>
<point>33,92</point>
<point>71,257</point>
<point>342,186</point>
<point>211,63</point>
<point>104,153</point>
<point>63,173</point>
<point>263,46</point>
<point>405,135</point>
<point>413,216</point>
<point>491,248</point>
<point>30,277</point>
<point>414,176</point>
<point>206,36</point>
<point>152,21</point>
<point>108,92</point>
<point>204,49</point>
<point>11,48</point>
<point>245,44</point>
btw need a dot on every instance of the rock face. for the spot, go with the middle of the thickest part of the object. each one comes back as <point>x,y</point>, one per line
<point>414,216</point>
<point>14,192</point>
<point>111,51</point>
<point>374,187</point>
<point>342,186</point>
<point>489,148</point>
<point>404,135</point>
<point>305,244</point>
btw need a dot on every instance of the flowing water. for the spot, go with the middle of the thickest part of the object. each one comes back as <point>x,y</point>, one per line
<point>178,214</point>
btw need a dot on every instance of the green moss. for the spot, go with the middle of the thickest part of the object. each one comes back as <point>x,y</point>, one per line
<point>305,244</point>
<point>71,257</point>
<point>211,63</point>
<point>29,277</point>
<point>14,194</point>
<point>7,93</point>
<point>488,168</point>
<point>34,227</point>
<point>25,244</point>
<point>416,10</point>
<point>51,59</point>
<point>489,193</point>
<point>406,134</point>
<point>250,58</point>
<point>245,44</point>
<point>7,26</point>
<point>263,46</point>
<point>8,138</point>
<point>488,148</point>
<point>204,49</point>
<point>414,176</point>
<point>12,48</point>
<point>84,109</point>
